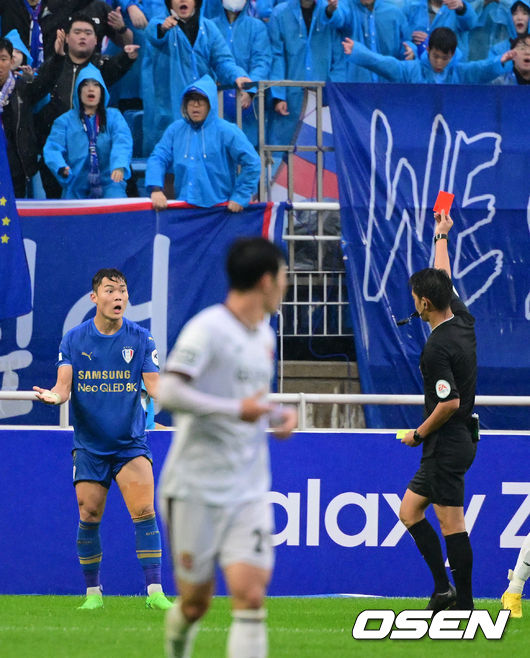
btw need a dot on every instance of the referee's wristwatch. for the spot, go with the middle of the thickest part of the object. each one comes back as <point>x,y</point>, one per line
<point>441,236</point>
<point>417,437</point>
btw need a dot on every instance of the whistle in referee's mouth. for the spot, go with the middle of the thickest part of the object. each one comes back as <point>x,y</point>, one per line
<point>407,320</point>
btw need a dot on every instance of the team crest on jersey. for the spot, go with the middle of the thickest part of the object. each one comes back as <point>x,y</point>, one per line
<point>154,356</point>
<point>127,353</point>
<point>443,388</point>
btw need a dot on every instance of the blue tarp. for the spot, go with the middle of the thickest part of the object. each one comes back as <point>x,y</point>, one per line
<point>396,147</point>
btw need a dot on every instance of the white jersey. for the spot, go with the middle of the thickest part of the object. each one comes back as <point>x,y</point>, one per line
<point>217,459</point>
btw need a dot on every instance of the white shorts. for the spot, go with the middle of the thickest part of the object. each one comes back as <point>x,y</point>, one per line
<point>202,536</point>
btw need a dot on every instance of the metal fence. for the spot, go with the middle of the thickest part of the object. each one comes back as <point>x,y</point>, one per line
<point>301,400</point>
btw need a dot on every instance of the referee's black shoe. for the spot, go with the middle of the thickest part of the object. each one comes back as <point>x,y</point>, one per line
<point>442,600</point>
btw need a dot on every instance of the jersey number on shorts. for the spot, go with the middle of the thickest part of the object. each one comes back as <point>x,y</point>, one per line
<point>260,535</point>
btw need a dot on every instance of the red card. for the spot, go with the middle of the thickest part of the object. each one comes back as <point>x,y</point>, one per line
<point>443,202</point>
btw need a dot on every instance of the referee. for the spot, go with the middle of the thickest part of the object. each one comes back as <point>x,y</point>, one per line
<point>448,433</point>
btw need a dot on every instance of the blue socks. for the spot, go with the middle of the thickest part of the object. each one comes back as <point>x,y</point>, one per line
<point>149,548</point>
<point>89,551</point>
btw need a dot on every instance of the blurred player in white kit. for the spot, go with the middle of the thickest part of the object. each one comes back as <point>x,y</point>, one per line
<point>217,472</point>
<point>511,599</point>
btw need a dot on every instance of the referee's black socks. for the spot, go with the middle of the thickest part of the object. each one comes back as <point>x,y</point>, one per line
<point>429,546</point>
<point>460,558</point>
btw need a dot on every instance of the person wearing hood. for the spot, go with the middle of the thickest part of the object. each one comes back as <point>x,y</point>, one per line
<point>439,64</point>
<point>493,26</point>
<point>203,152</point>
<point>425,16</point>
<point>78,47</point>
<point>517,26</point>
<point>18,95</point>
<point>89,148</point>
<point>305,46</point>
<point>21,55</point>
<point>249,43</point>
<point>377,24</point>
<point>181,47</point>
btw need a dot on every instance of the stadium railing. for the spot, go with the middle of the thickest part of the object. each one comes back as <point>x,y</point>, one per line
<point>302,399</point>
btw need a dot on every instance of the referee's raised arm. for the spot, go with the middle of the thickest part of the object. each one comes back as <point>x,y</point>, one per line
<point>441,239</point>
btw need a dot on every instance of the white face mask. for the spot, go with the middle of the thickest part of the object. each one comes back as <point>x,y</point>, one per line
<point>234,5</point>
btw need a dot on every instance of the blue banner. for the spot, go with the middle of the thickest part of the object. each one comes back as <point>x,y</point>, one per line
<point>174,262</point>
<point>396,147</point>
<point>336,499</point>
<point>15,287</point>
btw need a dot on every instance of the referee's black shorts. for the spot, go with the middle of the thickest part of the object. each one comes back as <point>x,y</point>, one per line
<point>440,477</point>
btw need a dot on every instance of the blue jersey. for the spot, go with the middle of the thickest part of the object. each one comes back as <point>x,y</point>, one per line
<point>107,384</point>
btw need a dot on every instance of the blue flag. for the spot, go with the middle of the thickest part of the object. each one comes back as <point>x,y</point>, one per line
<point>393,157</point>
<point>173,261</point>
<point>15,285</point>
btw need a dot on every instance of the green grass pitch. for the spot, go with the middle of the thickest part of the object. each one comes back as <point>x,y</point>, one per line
<point>52,627</point>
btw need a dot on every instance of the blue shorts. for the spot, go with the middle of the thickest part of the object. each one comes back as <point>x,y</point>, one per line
<point>103,468</point>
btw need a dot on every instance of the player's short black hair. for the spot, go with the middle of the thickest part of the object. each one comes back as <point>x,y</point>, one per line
<point>6,45</point>
<point>444,39</point>
<point>249,259</point>
<point>107,272</point>
<point>433,284</point>
<point>79,17</point>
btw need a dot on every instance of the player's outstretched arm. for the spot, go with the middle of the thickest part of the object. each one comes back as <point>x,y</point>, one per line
<point>61,391</point>
<point>444,224</point>
<point>176,394</point>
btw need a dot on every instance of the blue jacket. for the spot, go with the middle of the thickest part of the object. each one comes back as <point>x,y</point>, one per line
<point>507,79</point>
<point>248,40</point>
<point>384,29</point>
<point>172,58</point>
<point>297,55</point>
<point>421,71</point>
<point>249,43</point>
<point>67,146</point>
<point>461,24</point>
<point>494,25</point>
<point>204,158</point>
<point>502,46</point>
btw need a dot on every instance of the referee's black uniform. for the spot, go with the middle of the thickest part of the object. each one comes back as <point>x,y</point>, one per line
<point>449,368</point>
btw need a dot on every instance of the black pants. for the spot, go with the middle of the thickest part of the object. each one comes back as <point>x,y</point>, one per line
<point>49,183</point>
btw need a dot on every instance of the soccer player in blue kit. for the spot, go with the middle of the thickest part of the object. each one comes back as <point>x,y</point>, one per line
<point>101,364</point>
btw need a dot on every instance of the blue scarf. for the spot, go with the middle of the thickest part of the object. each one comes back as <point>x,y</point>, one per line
<point>91,126</point>
<point>36,47</point>
<point>6,90</point>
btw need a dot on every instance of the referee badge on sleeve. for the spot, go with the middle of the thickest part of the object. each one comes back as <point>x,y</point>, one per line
<point>443,388</point>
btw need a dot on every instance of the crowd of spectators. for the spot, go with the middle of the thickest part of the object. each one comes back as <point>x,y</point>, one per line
<point>70,70</point>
